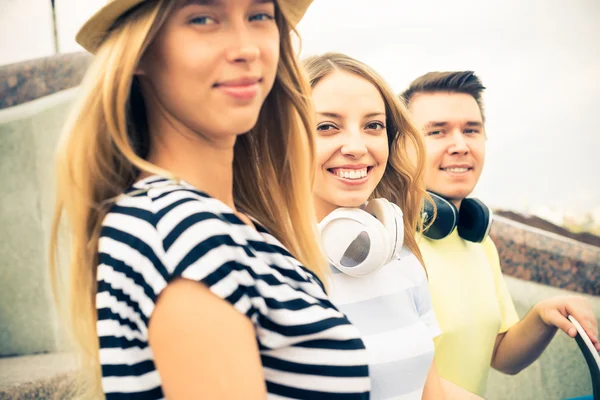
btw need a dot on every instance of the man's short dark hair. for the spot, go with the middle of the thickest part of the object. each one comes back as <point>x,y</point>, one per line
<point>451,82</point>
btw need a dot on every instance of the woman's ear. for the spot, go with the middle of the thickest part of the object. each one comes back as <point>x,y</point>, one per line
<point>140,68</point>
<point>139,71</point>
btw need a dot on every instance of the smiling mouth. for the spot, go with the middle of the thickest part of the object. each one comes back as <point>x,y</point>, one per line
<point>351,174</point>
<point>240,82</point>
<point>244,89</point>
<point>457,170</point>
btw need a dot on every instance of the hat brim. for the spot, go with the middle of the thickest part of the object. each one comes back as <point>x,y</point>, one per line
<point>94,30</point>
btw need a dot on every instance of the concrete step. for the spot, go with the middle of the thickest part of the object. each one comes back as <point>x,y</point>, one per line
<point>42,376</point>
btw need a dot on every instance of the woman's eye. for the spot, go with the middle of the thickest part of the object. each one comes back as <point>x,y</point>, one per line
<point>204,20</point>
<point>262,17</point>
<point>375,126</point>
<point>326,127</point>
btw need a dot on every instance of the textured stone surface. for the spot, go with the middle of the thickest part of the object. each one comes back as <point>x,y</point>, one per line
<point>539,256</point>
<point>46,376</point>
<point>30,80</point>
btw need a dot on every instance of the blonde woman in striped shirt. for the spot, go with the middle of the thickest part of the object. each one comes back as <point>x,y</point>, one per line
<point>185,177</point>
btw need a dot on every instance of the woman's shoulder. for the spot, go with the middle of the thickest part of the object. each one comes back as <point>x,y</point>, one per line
<point>161,202</point>
<point>159,193</point>
<point>166,220</point>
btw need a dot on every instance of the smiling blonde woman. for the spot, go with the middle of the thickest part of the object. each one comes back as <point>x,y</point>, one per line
<point>369,190</point>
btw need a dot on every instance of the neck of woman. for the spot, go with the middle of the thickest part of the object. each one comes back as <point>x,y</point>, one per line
<point>205,163</point>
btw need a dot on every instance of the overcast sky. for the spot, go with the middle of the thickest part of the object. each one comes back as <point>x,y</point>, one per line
<point>540,60</point>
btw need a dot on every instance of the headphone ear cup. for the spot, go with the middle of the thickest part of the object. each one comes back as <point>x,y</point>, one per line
<point>392,219</point>
<point>446,218</point>
<point>354,241</point>
<point>474,221</point>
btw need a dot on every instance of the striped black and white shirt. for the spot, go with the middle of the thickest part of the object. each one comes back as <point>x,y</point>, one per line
<point>162,230</point>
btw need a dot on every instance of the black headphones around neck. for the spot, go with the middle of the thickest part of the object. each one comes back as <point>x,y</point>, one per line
<point>473,221</point>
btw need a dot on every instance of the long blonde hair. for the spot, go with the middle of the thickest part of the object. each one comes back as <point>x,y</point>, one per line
<point>403,181</point>
<point>103,148</point>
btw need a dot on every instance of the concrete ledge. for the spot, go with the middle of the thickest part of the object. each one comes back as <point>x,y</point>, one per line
<point>28,137</point>
<point>44,376</point>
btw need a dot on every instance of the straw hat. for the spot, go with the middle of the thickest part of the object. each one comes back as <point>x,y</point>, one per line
<point>92,33</point>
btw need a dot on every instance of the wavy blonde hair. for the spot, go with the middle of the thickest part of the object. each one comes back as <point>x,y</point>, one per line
<point>403,181</point>
<point>106,139</point>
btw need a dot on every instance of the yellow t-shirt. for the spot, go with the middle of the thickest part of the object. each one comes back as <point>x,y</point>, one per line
<point>472,306</point>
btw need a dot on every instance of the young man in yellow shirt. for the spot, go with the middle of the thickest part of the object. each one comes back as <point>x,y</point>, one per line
<point>480,327</point>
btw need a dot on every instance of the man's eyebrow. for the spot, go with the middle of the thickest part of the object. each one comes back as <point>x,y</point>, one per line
<point>475,124</point>
<point>441,124</point>
<point>435,124</point>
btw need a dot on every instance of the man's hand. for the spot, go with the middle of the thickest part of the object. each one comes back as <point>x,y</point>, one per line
<point>523,343</point>
<point>554,312</point>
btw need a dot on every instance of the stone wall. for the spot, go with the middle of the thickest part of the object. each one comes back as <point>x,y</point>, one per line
<point>543,257</point>
<point>30,80</point>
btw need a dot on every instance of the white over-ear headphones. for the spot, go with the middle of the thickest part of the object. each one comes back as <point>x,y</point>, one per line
<point>359,241</point>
